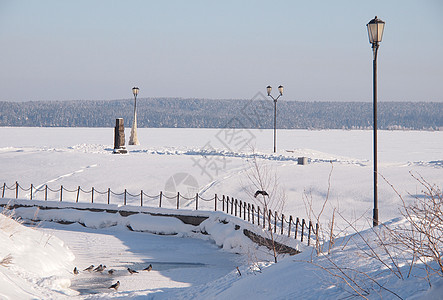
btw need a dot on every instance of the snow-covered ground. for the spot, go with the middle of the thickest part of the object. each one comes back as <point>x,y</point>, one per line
<point>33,264</point>
<point>217,161</point>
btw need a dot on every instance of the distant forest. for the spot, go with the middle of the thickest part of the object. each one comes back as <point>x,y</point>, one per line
<point>206,113</point>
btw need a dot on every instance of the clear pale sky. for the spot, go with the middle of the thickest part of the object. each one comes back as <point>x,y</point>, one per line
<point>318,50</point>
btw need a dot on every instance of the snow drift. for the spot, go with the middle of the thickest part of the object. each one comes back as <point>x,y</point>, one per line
<point>32,264</point>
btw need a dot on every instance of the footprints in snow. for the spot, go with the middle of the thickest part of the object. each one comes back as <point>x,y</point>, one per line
<point>66,175</point>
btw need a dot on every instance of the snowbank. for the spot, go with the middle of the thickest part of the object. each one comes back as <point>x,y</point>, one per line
<point>378,274</point>
<point>326,276</point>
<point>34,264</point>
<point>226,231</point>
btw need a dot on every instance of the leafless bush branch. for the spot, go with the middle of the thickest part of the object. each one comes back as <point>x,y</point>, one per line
<point>422,235</point>
<point>262,177</point>
<point>6,261</point>
<point>323,234</point>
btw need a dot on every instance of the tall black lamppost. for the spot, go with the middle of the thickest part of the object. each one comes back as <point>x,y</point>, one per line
<point>375,32</point>
<point>280,89</point>
<point>133,139</point>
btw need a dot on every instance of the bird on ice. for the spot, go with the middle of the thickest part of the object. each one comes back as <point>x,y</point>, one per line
<point>89,269</point>
<point>132,271</point>
<point>260,193</point>
<point>75,271</point>
<point>148,268</point>
<point>100,268</point>
<point>115,285</point>
<point>110,272</point>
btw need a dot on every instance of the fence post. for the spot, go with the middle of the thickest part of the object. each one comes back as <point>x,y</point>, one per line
<point>258,215</point>
<point>232,205</point>
<point>241,207</point>
<point>61,193</point>
<point>92,195</point>
<point>275,221</point>
<point>244,211</point>
<point>289,228</point>
<point>109,195</point>
<point>249,212</point>
<point>4,187</point>
<point>141,198</point>
<point>223,203</point>
<point>264,217</point>
<point>32,186</point>
<point>160,202</point>
<point>316,232</point>
<point>215,202</point>
<point>236,203</point>
<point>16,190</point>
<point>269,219</point>
<point>253,210</point>
<point>282,222</point>
<point>178,200</point>
<point>303,224</point>
<point>196,201</point>
<point>125,197</point>
<point>296,227</point>
<point>46,192</point>
<point>309,232</point>
<point>78,193</point>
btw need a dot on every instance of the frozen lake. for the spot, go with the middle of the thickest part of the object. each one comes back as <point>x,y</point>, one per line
<point>218,160</point>
<point>177,262</point>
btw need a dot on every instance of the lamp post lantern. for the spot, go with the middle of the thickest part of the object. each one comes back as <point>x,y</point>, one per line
<point>375,33</point>
<point>280,89</point>
<point>133,140</point>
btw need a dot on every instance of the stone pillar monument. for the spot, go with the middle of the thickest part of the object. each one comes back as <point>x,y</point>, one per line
<point>119,137</point>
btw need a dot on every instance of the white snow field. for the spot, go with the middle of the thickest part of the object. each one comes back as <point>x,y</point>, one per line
<point>189,265</point>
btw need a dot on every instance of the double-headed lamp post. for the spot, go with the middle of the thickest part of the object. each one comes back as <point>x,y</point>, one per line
<point>133,139</point>
<point>280,89</point>
<point>375,32</point>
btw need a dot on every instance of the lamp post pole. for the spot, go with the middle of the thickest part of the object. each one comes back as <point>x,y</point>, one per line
<point>275,125</point>
<point>375,32</point>
<point>374,93</point>
<point>280,89</point>
<point>133,140</point>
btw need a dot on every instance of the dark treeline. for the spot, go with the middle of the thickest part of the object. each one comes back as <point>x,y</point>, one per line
<point>202,113</point>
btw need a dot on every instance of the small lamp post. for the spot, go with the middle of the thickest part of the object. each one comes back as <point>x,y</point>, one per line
<point>375,33</point>
<point>280,89</point>
<point>133,139</point>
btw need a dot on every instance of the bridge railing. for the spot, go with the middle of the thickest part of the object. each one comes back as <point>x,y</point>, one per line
<point>252,213</point>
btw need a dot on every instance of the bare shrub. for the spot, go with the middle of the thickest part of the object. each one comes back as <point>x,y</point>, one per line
<point>6,261</point>
<point>399,247</point>
<point>9,224</point>
<point>262,178</point>
<point>422,235</point>
<point>324,233</point>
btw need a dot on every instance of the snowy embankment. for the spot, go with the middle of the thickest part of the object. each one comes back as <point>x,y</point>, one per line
<point>223,230</point>
<point>33,264</point>
<point>356,265</point>
<point>226,231</point>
